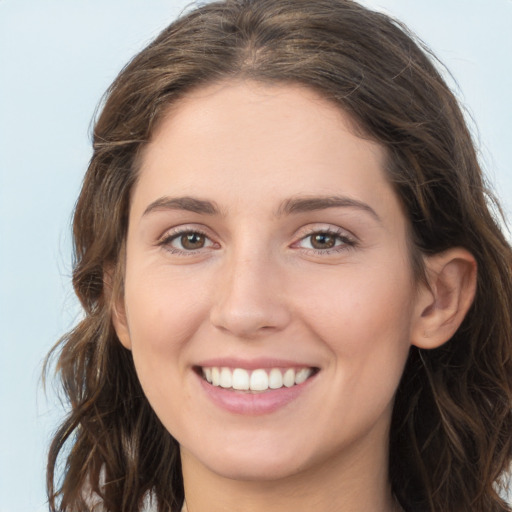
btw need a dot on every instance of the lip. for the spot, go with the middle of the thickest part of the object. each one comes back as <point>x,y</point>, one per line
<point>253,403</point>
<point>253,364</point>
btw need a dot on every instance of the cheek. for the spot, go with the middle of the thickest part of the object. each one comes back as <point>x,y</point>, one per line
<point>364,318</point>
<point>369,305</point>
<point>163,314</point>
<point>161,304</point>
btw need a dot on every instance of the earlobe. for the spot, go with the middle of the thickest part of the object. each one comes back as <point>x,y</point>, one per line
<point>444,300</point>
<point>114,296</point>
<point>120,324</point>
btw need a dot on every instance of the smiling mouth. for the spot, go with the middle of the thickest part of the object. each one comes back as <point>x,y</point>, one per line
<point>256,381</point>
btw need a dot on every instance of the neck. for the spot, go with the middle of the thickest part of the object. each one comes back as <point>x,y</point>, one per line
<point>355,482</point>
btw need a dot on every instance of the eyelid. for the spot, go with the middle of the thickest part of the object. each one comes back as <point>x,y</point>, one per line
<point>349,239</point>
<point>319,227</point>
<point>175,232</point>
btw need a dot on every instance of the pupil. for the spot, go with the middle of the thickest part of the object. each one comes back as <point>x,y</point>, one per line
<point>323,241</point>
<point>192,241</point>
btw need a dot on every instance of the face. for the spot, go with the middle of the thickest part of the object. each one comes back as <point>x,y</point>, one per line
<point>269,297</point>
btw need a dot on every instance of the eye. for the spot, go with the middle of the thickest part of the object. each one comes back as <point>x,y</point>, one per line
<point>191,241</point>
<point>323,240</point>
<point>186,241</point>
<point>326,241</point>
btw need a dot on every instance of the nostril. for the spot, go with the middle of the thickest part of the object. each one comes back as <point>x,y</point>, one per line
<point>249,322</point>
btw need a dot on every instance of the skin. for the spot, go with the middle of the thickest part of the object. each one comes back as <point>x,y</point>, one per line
<point>257,287</point>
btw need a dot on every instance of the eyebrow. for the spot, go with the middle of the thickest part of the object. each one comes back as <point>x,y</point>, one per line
<point>288,207</point>
<point>189,204</point>
<point>309,204</point>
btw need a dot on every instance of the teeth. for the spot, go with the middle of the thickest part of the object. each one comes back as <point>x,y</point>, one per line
<point>240,379</point>
<point>257,380</point>
<point>225,378</point>
<point>302,375</point>
<point>289,378</point>
<point>275,379</point>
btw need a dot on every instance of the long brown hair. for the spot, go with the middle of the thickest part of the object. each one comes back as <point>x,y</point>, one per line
<point>451,431</point>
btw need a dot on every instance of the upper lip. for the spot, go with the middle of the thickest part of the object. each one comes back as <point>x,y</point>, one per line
<point>253,364</point>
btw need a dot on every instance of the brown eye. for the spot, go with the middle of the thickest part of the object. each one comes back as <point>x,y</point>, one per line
<point>323,241</point>
<point>186,241</point>
<point>192,241</point>
<point>327,242</point>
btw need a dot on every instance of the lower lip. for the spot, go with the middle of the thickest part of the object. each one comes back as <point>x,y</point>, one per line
<point>246,403</point>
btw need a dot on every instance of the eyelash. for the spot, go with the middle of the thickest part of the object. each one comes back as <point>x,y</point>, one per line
<point>169,237</point>
<point>347,242</point>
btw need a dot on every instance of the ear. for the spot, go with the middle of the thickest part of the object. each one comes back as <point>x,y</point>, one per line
<point>115,296</point>
<point>444,300</point>
<point>120,323</point>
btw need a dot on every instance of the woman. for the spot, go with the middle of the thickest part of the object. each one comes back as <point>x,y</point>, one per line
<point>296,296</point>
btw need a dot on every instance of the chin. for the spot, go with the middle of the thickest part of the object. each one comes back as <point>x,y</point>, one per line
<point>257,461</point>
<point>255,471</point>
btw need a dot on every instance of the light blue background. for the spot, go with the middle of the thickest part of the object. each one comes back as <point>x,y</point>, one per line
<point>56,59</point>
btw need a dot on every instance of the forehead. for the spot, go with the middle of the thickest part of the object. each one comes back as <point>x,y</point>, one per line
<point>248,141</point>
<point>261,109</point>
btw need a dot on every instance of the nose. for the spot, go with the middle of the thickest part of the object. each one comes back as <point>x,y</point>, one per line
<point>250,299</point>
